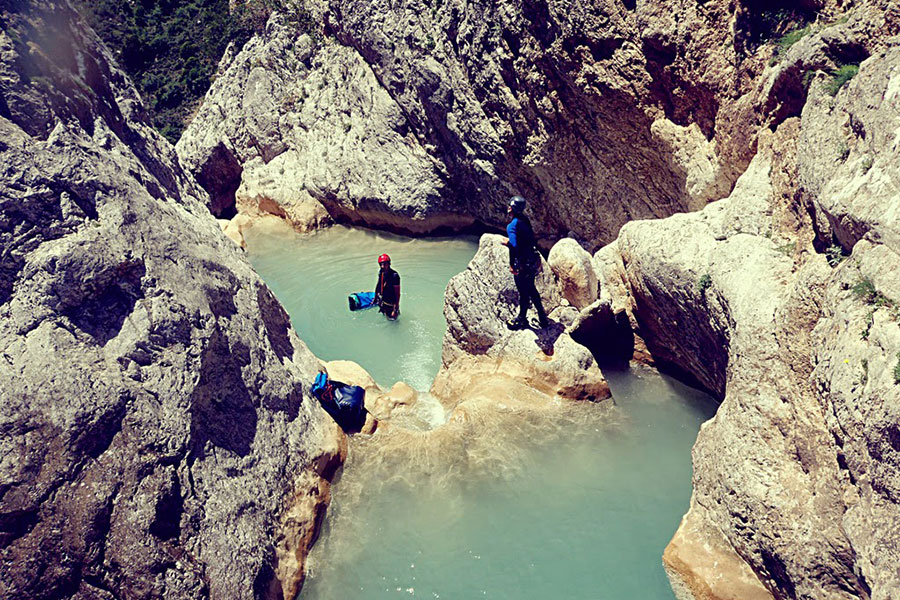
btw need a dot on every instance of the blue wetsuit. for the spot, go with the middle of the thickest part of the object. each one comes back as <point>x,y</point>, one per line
<point>524,261</point>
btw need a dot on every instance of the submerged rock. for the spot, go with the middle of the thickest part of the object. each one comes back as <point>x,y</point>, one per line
<point>158,439</point>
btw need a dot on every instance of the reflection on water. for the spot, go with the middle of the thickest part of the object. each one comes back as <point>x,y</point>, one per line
<point>570,501</point>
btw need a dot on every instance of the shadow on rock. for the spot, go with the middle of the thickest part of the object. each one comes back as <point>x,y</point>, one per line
<point>222,410</point>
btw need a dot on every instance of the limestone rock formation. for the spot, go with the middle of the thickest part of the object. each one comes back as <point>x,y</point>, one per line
<point>479,347</point>
<point>157,439</point>
<point>573,268</point>
<point>295,125</point>
<point>416,116</point>
<point>795,477</point>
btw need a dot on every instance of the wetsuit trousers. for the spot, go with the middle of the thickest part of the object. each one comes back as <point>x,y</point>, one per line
<point>528,294</point>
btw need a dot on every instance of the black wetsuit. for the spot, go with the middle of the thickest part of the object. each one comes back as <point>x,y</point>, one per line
<point>386,290</point>
<point>524,261</point>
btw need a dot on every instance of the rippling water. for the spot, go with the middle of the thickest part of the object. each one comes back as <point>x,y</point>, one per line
<point>575,501</point>
<point>312,276</point>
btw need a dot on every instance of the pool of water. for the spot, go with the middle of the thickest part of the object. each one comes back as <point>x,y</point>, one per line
<point>313,274</point>
<point>578,501</point>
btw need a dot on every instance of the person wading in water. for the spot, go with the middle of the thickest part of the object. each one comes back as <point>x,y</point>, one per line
<point>523,263</point>
<point>387,290</point>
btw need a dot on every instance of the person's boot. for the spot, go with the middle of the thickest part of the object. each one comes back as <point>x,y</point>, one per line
<point>516,324</point>
<point>540,323</point>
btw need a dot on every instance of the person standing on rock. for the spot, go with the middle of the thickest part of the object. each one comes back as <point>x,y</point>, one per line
<point>524,262</point>
<point>387,290</point>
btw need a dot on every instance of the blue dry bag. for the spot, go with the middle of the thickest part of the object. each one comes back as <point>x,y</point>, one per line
<point>361,300</point>
<point>345,403</point>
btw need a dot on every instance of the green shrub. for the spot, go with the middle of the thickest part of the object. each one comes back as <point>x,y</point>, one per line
<point>787,249</point>
<point>172,49</point>
<point>870,320</point>
<point>843,152</point>
<point>864,378</point>
<point>704,283</point>
<point>792,37</point>
<point>867,164</point>
<point>844,74</point>
<point>865,290</point>
<point>834,254</point>
<point>897,370</point>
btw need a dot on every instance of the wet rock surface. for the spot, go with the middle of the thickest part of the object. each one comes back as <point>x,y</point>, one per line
<point>157,438</point>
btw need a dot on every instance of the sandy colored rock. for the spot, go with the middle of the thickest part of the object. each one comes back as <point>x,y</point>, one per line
<point>573,269</point>
<point>702,566</point>
<point>267,188</point>
<point>478,344</point>
<point>236,227</point>
<point>351,373</point>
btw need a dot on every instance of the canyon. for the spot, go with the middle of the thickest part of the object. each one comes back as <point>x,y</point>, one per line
<point>718,201</point>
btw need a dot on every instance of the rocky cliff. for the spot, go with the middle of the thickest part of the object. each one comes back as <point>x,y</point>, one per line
<point>421,115</point>
<point>606,112</point>
<point>794,479</point>
<point>156,436</point>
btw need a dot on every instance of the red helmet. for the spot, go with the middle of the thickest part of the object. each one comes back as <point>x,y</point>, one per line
<point>384,258</point>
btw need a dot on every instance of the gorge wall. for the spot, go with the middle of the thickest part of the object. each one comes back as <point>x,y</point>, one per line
<point>603,113</point>
<point>416,116</point>
<point>796,474</point>
<point>157,439</point>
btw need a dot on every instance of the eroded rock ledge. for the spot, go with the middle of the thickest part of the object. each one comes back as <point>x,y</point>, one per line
<point>157,439</point>
<point>795,478</point>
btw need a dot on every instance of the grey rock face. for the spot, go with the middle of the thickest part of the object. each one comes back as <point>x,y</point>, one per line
<point>417,116</point>
<point>291,122</point>
<point>155,434</point>
<point>795,476</point>
<point>849,160</point>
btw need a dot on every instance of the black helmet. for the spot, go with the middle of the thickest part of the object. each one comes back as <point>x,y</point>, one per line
<point>517,205</point>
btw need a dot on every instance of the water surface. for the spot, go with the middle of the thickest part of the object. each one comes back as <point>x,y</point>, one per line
<point>575,502</point>
<point>313,274</point>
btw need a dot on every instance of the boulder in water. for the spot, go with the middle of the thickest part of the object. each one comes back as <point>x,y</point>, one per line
<point>480,350</point>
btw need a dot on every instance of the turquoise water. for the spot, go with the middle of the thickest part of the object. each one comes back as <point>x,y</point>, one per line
<point>312,275</point>
<point>576,502</point>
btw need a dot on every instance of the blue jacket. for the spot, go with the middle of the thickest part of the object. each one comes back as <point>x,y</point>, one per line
<point>522,245</point>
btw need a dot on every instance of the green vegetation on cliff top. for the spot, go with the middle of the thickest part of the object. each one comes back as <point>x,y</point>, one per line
<point>171,48</point>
